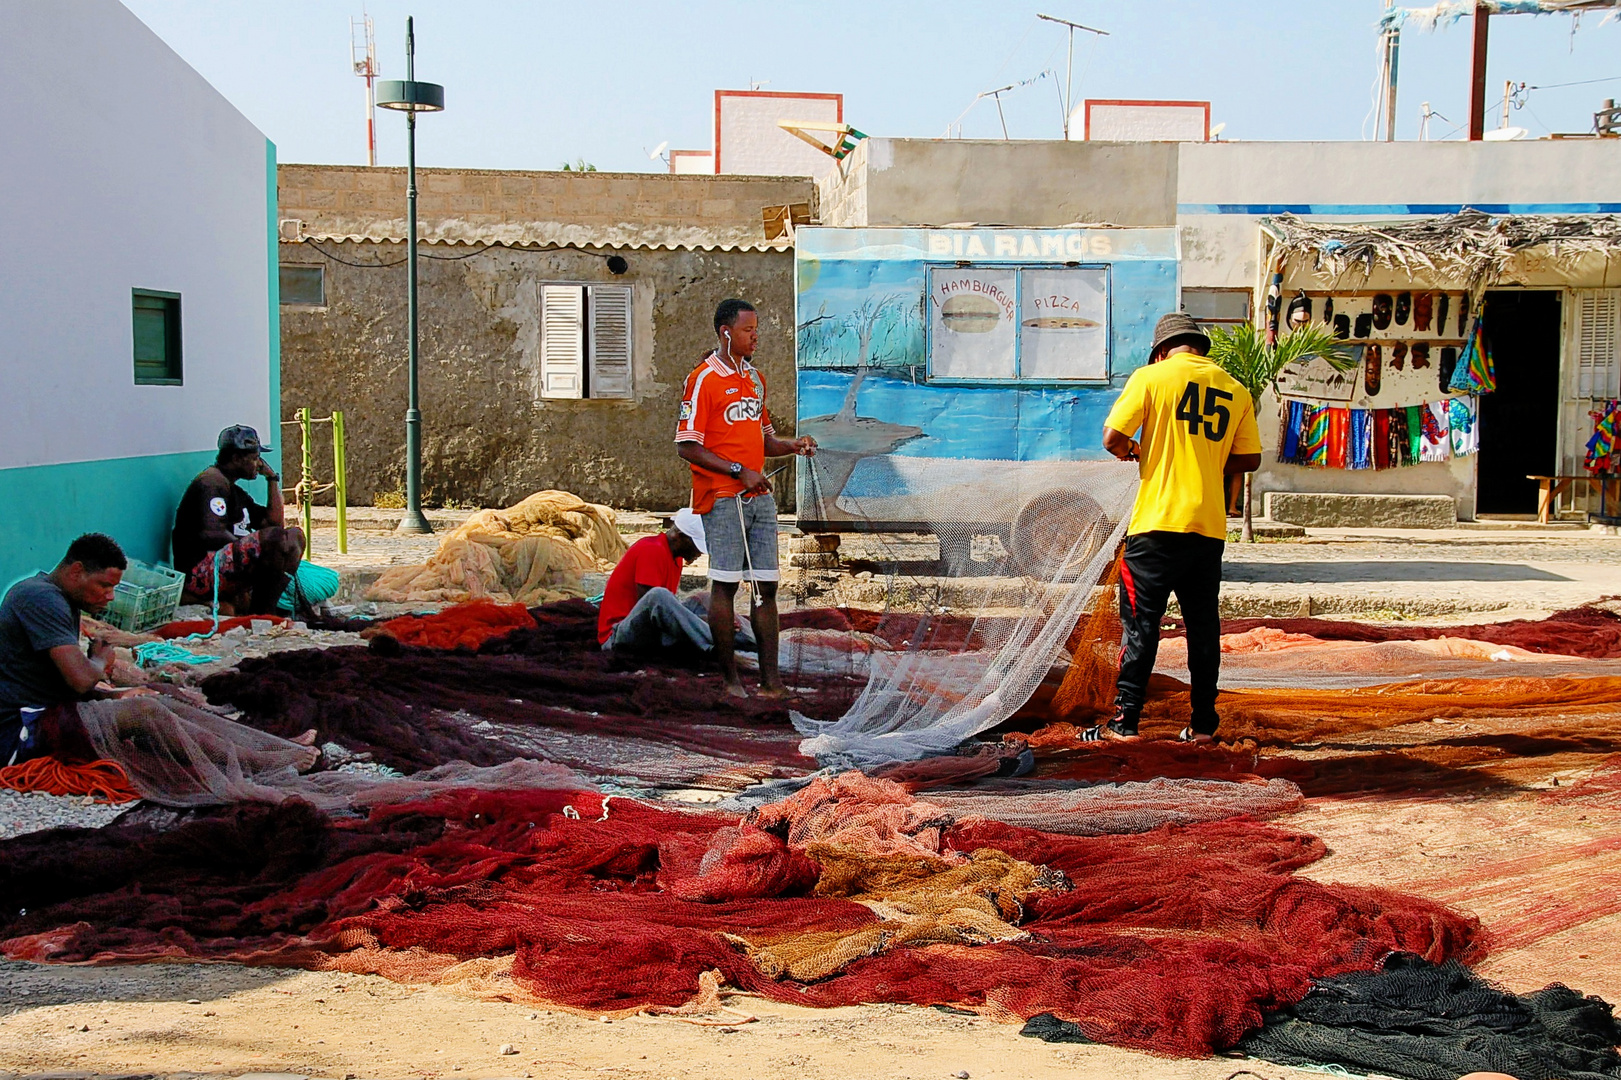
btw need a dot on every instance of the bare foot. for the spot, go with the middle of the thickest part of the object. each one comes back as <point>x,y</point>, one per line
<point>735,689</point>
<point>775,691</point>
<point>306,759</point>
<point>306,739</point>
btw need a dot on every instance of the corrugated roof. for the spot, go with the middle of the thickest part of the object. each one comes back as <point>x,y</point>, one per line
<point>455,231</point>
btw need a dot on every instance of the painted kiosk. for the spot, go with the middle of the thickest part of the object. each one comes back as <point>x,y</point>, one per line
<point>957,380</point>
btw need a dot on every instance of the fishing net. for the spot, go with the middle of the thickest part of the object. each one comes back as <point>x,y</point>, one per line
<point>1020,558</point>
<point>1439,1021</point>
<point>461,626</point>
<point>533,553</point>
<point>1593,631</point>
<point>549,692</point>
<point>1175,940</point>
<point>180,756</point>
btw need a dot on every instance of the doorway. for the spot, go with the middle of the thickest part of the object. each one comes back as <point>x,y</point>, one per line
<point>1519,424</point>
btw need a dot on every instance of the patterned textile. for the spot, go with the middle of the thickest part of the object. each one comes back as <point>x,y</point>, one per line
<point>1401,447</point>
<point>1339,437</point>
<point>1463,417</point>
<point>235,565</point>
<point>1475,373</point>
<point>1360,454</point>
<point>1382,443</point>
<point>1289,432</point>
<point>1435,443</point>
<point>1601,448</point>
<point>1415,434</point>
<point>1315,450</point>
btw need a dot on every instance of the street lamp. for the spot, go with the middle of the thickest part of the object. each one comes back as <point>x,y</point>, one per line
<point>411,97</point>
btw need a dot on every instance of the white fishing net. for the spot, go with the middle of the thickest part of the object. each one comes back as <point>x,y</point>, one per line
<point>972,633</point>
<point>180,756</point>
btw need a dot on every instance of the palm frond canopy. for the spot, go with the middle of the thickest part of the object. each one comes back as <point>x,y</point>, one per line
<point>1470,247</point>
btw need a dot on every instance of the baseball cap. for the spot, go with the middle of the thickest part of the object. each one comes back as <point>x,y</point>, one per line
<point>693,526</point>
<point>242,437</point>
<point>1177,324</point>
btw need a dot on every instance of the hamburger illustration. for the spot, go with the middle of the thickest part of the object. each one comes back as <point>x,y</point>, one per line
<point>970,313</point>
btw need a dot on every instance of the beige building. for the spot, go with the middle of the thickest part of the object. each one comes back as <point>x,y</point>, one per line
<point>561,313</point>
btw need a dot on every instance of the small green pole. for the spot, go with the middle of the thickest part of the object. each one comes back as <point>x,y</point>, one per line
<point>304,483</point>
<point>340,480</point>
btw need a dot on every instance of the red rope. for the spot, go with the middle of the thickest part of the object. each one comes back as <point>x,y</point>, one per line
<point>104,780</point>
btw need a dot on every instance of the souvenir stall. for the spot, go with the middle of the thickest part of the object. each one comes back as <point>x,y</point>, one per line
<point>1411,395</point>
<point>1484,354</point>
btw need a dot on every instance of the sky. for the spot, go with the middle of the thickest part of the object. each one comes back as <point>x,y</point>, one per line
<point>531,84</point>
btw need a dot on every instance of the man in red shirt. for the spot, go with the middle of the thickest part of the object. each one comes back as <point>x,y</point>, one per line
<point>640,613</point>
<point>725,434</point>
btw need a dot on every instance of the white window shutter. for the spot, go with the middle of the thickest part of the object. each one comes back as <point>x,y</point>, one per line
<point>610,341</point>
<point>1592,375</point>
<point>562,341</point>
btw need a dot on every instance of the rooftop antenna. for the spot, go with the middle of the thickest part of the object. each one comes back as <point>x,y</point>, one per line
<point>997,94</point>
<point>363,55</point>
<point>1069,78</point>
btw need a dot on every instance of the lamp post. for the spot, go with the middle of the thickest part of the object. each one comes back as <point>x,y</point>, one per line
<point>411,97</point>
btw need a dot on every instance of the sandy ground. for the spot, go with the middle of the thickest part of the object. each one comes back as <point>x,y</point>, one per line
<point>227,1020</point>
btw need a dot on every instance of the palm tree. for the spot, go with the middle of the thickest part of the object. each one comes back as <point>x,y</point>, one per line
<point>1243,353</point>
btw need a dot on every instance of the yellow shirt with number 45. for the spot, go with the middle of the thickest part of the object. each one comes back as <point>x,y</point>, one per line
<point>1193,415</point>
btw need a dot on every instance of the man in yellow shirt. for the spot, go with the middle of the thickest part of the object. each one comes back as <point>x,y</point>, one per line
<point>1197,427</point>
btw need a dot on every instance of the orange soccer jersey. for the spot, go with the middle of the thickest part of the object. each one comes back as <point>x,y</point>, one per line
<point>725,411</point>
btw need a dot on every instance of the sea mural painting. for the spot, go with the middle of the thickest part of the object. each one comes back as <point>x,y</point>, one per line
<point>932,360</point>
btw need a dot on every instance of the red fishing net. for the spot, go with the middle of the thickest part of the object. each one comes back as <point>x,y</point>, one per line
<point>1174,940</point>
<point>460,626</point>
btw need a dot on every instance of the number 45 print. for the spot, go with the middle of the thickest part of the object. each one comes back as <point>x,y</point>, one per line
<point>1197,419</point>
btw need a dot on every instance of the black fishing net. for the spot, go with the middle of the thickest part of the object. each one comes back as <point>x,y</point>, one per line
<point>1439,1021</point>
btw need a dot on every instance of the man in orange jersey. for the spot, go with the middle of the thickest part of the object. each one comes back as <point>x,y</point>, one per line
<point>724,433</point>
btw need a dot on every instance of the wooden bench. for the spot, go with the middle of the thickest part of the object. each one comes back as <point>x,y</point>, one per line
<point>1551,487</point>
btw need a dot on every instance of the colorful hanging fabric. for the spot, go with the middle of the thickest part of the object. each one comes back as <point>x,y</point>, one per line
<point>1381,439</point>
<point>1289,432</point>
<point>1602,456</point>
<point>1401,447</point>
<point>1339,438</point>
<point>1436,441</point>
<point>1463,418</point>
<point>1315,450</point>
<point>1475,373</point>
<point>1415,434</point>
<point>1360,455</point>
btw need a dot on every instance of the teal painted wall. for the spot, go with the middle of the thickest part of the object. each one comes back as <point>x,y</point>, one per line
<point>133,500</point>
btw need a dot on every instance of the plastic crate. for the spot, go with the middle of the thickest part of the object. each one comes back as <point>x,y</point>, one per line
<point>146,597</point>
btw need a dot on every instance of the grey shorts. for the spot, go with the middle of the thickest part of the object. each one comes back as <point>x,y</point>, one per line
<point>727,533</point>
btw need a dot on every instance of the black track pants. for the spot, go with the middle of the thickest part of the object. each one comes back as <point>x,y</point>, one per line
<point>1155,565</point>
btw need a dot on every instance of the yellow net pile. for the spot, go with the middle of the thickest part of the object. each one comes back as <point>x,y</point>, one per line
<point>533,553</point>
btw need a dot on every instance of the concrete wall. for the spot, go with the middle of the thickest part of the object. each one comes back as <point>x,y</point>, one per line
<point>1034,183</point>
<point>122,169</point>
<point>515,206</point>
<point>489,440</point>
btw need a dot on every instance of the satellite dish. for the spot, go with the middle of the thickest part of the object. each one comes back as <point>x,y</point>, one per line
<point>1215,132</point>
<point>1505,134</point>
<point>658,151</point>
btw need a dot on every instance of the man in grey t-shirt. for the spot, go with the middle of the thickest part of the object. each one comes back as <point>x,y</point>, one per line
<point>40,661</point>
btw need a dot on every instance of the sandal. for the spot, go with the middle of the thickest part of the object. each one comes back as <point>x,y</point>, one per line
<point>1114,731</point>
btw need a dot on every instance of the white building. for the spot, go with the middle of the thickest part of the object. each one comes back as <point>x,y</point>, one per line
<point>138,292</point>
